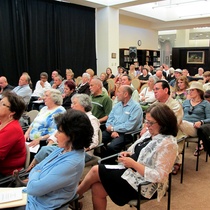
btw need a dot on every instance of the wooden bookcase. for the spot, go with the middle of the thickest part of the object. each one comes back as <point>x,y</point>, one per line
<point>149,57</point>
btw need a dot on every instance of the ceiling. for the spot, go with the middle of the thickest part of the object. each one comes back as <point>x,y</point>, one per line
<point>162,15</point>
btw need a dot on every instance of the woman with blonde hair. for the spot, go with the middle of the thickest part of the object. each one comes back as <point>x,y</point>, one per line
<point>181,86</point>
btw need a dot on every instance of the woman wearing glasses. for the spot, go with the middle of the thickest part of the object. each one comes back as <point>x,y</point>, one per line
<point>150,158</point>
<point>196,112</point>
<point>12,141</point>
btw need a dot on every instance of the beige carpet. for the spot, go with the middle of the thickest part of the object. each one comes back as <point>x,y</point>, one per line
<point>193,194</point>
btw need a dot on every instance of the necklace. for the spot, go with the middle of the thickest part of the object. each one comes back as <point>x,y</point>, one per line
<point>196,101</point>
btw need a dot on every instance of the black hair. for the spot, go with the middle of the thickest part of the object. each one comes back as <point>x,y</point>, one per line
<point>77,126</point>
<point>164,85</point>
<point>165,117</point>
<point>17,104</point>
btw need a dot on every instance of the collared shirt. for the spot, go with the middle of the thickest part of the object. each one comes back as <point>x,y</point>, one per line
<point>102,105</point>
<point>23,91</point>
<point>39,90</point>
<point>124,118</point>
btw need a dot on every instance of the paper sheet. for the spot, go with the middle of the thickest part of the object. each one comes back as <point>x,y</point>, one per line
<point>120,166</point>
<point>10,194</point>
<point>33,149</point>
<point>38,101</point>
<point>12,197</point>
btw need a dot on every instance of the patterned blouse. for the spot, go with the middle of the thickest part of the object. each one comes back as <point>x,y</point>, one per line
<point>158,157</point>
<point>44,123</point>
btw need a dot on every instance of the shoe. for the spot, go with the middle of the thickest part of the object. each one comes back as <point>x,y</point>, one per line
<point>197,152</point>
<point>176,168</point>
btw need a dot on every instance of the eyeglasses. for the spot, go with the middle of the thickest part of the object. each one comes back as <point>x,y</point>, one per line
<point>3,104</point>
<point>149,123</point>
<point>191,110</point>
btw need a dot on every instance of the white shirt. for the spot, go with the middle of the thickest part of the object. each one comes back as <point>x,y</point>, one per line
<point>39,90</point>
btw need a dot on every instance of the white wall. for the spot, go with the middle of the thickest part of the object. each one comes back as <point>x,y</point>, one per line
<point>131,30</point>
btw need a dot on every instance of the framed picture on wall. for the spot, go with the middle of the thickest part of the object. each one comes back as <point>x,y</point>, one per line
<point>195,57</point>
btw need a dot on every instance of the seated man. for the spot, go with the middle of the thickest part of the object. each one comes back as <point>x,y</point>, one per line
<point>101,102</point>
<point>58,84</point>
<point>23,89</point>
<point>4,85</point>
<point>41,86</point>
<point>125,116</point>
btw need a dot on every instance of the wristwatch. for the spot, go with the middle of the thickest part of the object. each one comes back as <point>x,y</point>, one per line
<point>112,129</point>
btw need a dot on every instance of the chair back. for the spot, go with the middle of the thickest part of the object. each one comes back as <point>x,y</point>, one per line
<point>27,162</point>
<point>143,86</point>
<point>136,83</point>
<point>32,114</point>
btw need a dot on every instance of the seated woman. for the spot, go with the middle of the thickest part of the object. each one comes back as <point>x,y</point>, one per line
<point>181,86</point>
<point>150,158</point>
<point>53,182</point>
<point>109,74</point>
<point>44,125</point>
<point>82,103</point>
<point>69,91</point>
<point>196,112</point>
<point>147,96</point>
<point>12,141</point>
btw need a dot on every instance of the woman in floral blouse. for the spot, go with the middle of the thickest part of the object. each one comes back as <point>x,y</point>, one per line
<point>150,158</point>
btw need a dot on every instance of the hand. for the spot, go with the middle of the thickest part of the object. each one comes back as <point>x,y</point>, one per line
<point>34,143</point>
<point>114,135</point>
<point>126,161</point>
<point>197,124</point>
<point>42,83</point>
<point>125,154</point>
<point>26,136</point>
<point>109,128</point>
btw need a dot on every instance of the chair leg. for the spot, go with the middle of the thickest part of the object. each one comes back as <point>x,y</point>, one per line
<point>169,192</point>
<point>182,168</point>
<point>206,156</point>
<point>197,162</point>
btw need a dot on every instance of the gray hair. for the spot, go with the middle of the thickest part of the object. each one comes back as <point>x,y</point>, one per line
<point>84,100</point>
<point>44,74</point>
<point>56,96</point>
<point>86,75</point>
<point>155,79</point>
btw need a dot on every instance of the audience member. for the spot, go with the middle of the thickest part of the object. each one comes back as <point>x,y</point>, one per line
<point>58,83</point>
<point>12,141</point>
<point>44,125</point>
<point>207,95</point>
<point>91,73</point>
<point>196,112</point>
<point>23,89</point>
<point>82,103</point>
<point>144,76</point>
<point>4,86</point>
<point>103,79</point>
<point>101,102</point>
<point>126,80</point>
<point>159,74</point>
<point>148,159</point>
<point>177,74</point>
<point>206,77</point>
<point>109,74</point>
<point>69,75</point>
<point>53,75</point>
<point>163,95</point>
<point>84,86</point>
<point>132,71</point>
<point>147,94</point>
<point>200,72</point>
<point>181,86</point>
<point>41,86</point>
<point>53,182</point>
<point>125,116</point>
<point>69,91</point>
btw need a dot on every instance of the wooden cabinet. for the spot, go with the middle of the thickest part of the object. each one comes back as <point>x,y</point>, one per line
<point>149,57</point>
